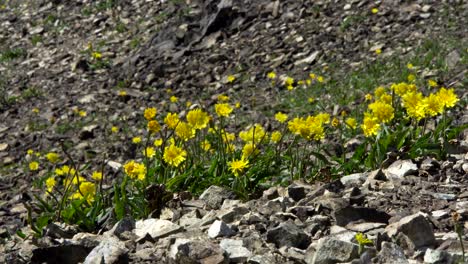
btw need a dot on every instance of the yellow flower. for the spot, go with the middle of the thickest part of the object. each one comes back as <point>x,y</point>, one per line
<point>87,190</point>
<point>35,110</point>
<point>323,118</point>
<point>271,75</point>
<point>290,87</point>
<point>256,133</point>
<point>135,170</point>
<point>432,83</point>
<point>275,136</point>
<point>281,117</point>
<point>308,82</point>
<point>378,51</point>
<point>370,125</point>
<point>238,166</point>
<point>227,137</point>
<point>311,99</point>
<point>223,98</point>
<point>96,55</point>
<point>351,122</point>
<point>386,98</point>
<point>174,155</point>
<point>122,93</point>
<point>168,90</point>
<point>114,129</point>
<point>320,79</point>
<point>33,165</point>
<point>410,66</point>
<point>171,120</point>
<point>238,105</point>
<point>434,105</point>
<point>310,128</point>
<point>415,105</point>
<point>82,113</point>
<point>136,140</point>
<point>403,88</point>
<point>188,104</point>
<point>223,109</point>
<point>50,183</point>
<point>301,82</point>
<point>335,122</point>
<point>343,113</point>
<point>158,142</point>
<point>205,145</point>
<point>289,81</point>
<point>153,126</point>
<point>150,113</point>
<point>368,97</point>
<point>149,152</point>
<point>30,152</point>
<point>382,111</point>
<point>230,148</point>
<point>52,157</point>
<point>411,77</point>
<point>374,10</point>
<point>97,176</point>
<point>447,97</point>
<point>248,150</point>
<point>362,239</point>
<point>231,78</point>
<point>197,118</point>
<point>379,91</point>
<point>173,99</point>
<point>185,131</point>
<point>312,76</point>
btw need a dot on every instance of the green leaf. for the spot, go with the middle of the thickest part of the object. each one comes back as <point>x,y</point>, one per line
<point>20,234</point>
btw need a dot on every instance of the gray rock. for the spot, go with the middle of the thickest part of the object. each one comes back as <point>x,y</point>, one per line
<point>214,196</point>
<point>288,234</point>
<point>235,250</point>
<point>110,250</point>
<point>218,229</point>
<point>433,256</point>
<point>271,193</point>
<point>296,192</point>
<point>331,250</point>
<point>355,179</point>
<point>196,251</point>
<point>232,214</point>
<point>390,253</point>
<point>124,225</point>
<point>400,169</point>
<point>156,228</point>
<point>416,227</point>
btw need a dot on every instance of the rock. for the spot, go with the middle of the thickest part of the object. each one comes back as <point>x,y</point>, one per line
<point>235,250</point>
<point>400,169</point>
<point>71,253</point>
<point>196,251</point>
<point>452,59</point>
<point>3,146</point>
<point>390,253</point>
<point>355,179</point>
<point>416,227</point>
<point>214,196</point>
<point>288,234</point>
<point>433,256</point>
<point>232,214</point>
<point>271,193</point>
<point>218,229</point>
<point>331,250</point>
<point>156,228</point>
<point>296,192</point>
<point>350,214</point>
<point>125,225</point>
<point>110,250</point>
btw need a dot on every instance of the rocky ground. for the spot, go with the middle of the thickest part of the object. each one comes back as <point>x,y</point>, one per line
<point>46,63</point>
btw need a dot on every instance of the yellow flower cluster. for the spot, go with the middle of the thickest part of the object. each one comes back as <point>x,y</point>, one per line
<point>310,127</point>
<point>135,170</point>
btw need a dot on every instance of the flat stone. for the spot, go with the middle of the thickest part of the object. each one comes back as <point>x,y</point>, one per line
<point>434,256</point>
<point>416,227</point>
<point>156,228</point>
<point>391,253</point>
<point>110,250</point>
<point>218,229</point>
<point>355,179</point>
<point>288,234</point>
<point>331,250</point>
<point>215,195</point>
<point>351,214</point>
<point>235,250</point>
<point>364,227</point>
<point>400,169</point>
